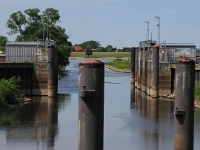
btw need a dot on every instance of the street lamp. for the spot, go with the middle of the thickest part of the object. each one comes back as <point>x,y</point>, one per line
<point>147,28</point>
<point>48,26</point>
<point>43,28</point>
<point>158,28</point>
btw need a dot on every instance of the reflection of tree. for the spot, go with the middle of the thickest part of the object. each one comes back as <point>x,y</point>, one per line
<point>62,99</point>
<point>10,117</point>
<point>35,122</point>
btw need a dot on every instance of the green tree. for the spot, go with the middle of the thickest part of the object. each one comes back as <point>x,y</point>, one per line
<point>3,41</point>
<point>109,48</point>
<point>88,51</point>
<point>92,44</point>
<point>63,54</point>
<point>16,22</point>
<point>100,49</point>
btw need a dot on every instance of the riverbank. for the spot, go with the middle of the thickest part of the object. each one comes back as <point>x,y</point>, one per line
<point>126,70</point>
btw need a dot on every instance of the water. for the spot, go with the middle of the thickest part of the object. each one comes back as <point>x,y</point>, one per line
<point>134,122</point>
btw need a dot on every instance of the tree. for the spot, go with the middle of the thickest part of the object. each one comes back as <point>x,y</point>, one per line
<point>88,51</point>
<point>3,41</point>
<point>100,49</point>
<point>92,44</point>
<point>16,21</point>
<point>31,25</point>
<point>63,54</point>
<point>109,48</point>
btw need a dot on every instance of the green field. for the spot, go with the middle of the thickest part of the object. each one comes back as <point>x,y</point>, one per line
<point>102,54</point>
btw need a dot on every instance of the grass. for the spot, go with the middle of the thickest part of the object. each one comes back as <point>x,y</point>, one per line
<point>102,54</point>
<point>119,63</point>
<point>197,91</point>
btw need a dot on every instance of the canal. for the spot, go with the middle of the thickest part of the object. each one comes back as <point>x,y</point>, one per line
<point>131,121</point>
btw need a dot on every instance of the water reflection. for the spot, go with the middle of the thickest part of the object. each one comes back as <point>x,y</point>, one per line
<point>34,123</point>
<point>157,120</point>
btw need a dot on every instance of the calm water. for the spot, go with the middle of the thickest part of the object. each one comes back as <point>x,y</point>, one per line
<point>131,121</point>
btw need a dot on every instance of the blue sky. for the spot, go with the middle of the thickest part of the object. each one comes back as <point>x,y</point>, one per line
<point>119,23</point>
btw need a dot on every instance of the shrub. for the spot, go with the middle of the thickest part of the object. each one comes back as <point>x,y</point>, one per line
<point>9,90</point>
<point>197,91</point>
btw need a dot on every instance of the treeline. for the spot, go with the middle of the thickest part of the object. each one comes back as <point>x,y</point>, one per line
<point>96,46</point>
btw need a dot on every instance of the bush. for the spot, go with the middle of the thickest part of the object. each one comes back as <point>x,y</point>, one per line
<point>197,91</point>
<point>9,90</point>
<point>119,63</point>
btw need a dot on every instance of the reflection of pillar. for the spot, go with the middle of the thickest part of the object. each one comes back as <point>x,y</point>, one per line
<point>152,116</point>
<point>132,95</point>
<point>144,103</point>
<point>46,120</point>
<point>52,125</point>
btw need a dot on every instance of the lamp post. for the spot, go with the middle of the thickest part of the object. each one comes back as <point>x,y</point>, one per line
<point>158,28</point>
<point>48,26</point>
<point>147,29</point>
<point>43,28</point>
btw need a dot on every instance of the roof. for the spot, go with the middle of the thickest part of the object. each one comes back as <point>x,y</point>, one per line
<point>77,48</point>
<point>23,43</point>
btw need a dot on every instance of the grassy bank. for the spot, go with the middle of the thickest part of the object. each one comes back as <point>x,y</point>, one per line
<point>197,91</point>
<point>119,64</point>
<point>102,54</point>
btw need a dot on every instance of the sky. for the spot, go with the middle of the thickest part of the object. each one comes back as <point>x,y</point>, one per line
<point>120,23</point>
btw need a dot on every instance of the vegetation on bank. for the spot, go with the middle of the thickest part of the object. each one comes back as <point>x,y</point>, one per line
<point>120,63</point>
<point>9,91</point>
<point>102,54</point>
<point>197,91</point>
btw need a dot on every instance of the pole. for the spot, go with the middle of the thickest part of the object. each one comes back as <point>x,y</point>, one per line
<point>91,105</point>
<point>43,30</point>
<point>158,29</point>
<point>184,105</point>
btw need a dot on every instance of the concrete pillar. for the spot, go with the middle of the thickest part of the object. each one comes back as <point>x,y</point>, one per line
<point>136,68</point>
<point>139,68</point>
<point>91,105</point>
<point>146,69</point>
<point>154,85</point>
<point>51,72</point>
<point>143,69</point>
<point>184,105</point>
<point>132,65</point>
